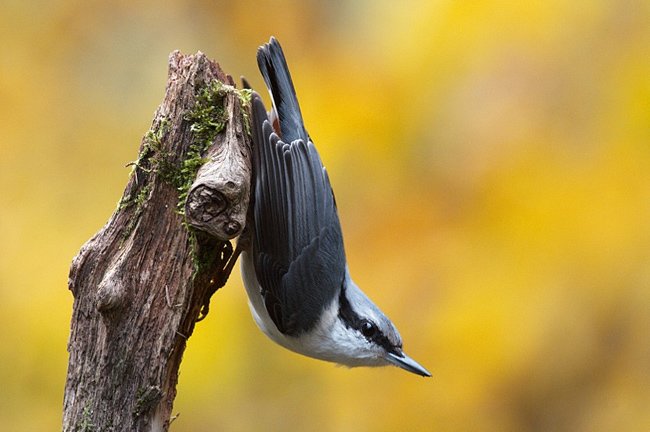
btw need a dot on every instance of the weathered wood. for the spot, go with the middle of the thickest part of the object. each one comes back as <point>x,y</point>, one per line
<point>217,201</point>
<point>142,281</point>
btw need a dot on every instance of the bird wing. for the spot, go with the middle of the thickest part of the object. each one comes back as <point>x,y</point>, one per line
<point>274,69</point>
<point>297,242</point>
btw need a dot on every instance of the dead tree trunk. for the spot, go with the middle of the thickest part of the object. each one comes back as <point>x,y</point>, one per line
<point>143,280</point>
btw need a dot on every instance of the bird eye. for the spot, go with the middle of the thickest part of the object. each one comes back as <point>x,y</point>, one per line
<point>368,329</point>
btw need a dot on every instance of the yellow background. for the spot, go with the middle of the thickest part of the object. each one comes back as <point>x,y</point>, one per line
<point>491,165</point>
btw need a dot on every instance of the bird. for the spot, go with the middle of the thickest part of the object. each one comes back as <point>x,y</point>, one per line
<point>294,267</point>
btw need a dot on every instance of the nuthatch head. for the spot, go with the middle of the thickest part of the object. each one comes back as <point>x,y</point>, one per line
<point>294,268</point>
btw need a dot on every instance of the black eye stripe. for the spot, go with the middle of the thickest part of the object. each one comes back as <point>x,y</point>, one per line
<point>352,320</point>
<point>347,314</point>
<point>380,339</point>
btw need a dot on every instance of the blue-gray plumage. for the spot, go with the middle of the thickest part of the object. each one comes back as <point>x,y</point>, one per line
<point>298,239</point>
<point>294,270</point>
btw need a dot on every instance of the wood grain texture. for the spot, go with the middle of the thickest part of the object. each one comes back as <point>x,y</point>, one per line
<point>140,283</point>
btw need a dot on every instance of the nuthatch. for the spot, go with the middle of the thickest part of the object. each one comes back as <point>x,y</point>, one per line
<point>294,267</point>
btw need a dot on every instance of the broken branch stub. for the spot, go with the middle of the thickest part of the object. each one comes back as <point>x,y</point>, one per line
<point>217,201</point>
<point>141,282</point>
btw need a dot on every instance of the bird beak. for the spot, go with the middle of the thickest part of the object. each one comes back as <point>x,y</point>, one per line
<point>405,362</point>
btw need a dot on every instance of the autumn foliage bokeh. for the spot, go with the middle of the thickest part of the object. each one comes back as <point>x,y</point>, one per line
<point>491,166</point>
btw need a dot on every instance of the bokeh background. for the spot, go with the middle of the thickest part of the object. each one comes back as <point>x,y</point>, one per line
<point>491,164</point>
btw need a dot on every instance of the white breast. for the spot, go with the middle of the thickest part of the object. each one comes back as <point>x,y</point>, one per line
<point>319,343</point>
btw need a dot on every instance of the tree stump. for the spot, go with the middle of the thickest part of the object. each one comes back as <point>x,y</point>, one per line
<point>141,283</point>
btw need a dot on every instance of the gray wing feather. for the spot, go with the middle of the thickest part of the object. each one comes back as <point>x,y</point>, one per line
<point>298,245</point>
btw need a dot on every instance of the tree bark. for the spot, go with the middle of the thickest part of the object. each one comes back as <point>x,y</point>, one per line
<point>141,283</point>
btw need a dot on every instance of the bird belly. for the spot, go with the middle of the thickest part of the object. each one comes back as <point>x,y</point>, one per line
<point>317,345</point>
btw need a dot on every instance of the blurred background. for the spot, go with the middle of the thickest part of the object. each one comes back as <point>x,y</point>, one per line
<point>491,165</point>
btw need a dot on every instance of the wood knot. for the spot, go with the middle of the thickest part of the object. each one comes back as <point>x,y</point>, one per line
<point>111,291</point>
<point>217,200</point>
<point>232,228</point>
<point>217,206</point>
<point>205,203</point>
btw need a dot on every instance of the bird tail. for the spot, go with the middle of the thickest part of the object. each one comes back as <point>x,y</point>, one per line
<point>275,71</point>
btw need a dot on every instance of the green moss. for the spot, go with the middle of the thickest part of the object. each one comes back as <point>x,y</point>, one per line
<point>151,156</point>
<point>207,119</point>
<point>195,253</point>
<point>139,202</point>
<point>146,399</point>
<point>245,97</point>
<point>86,424</point>
<point>205,251</point>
